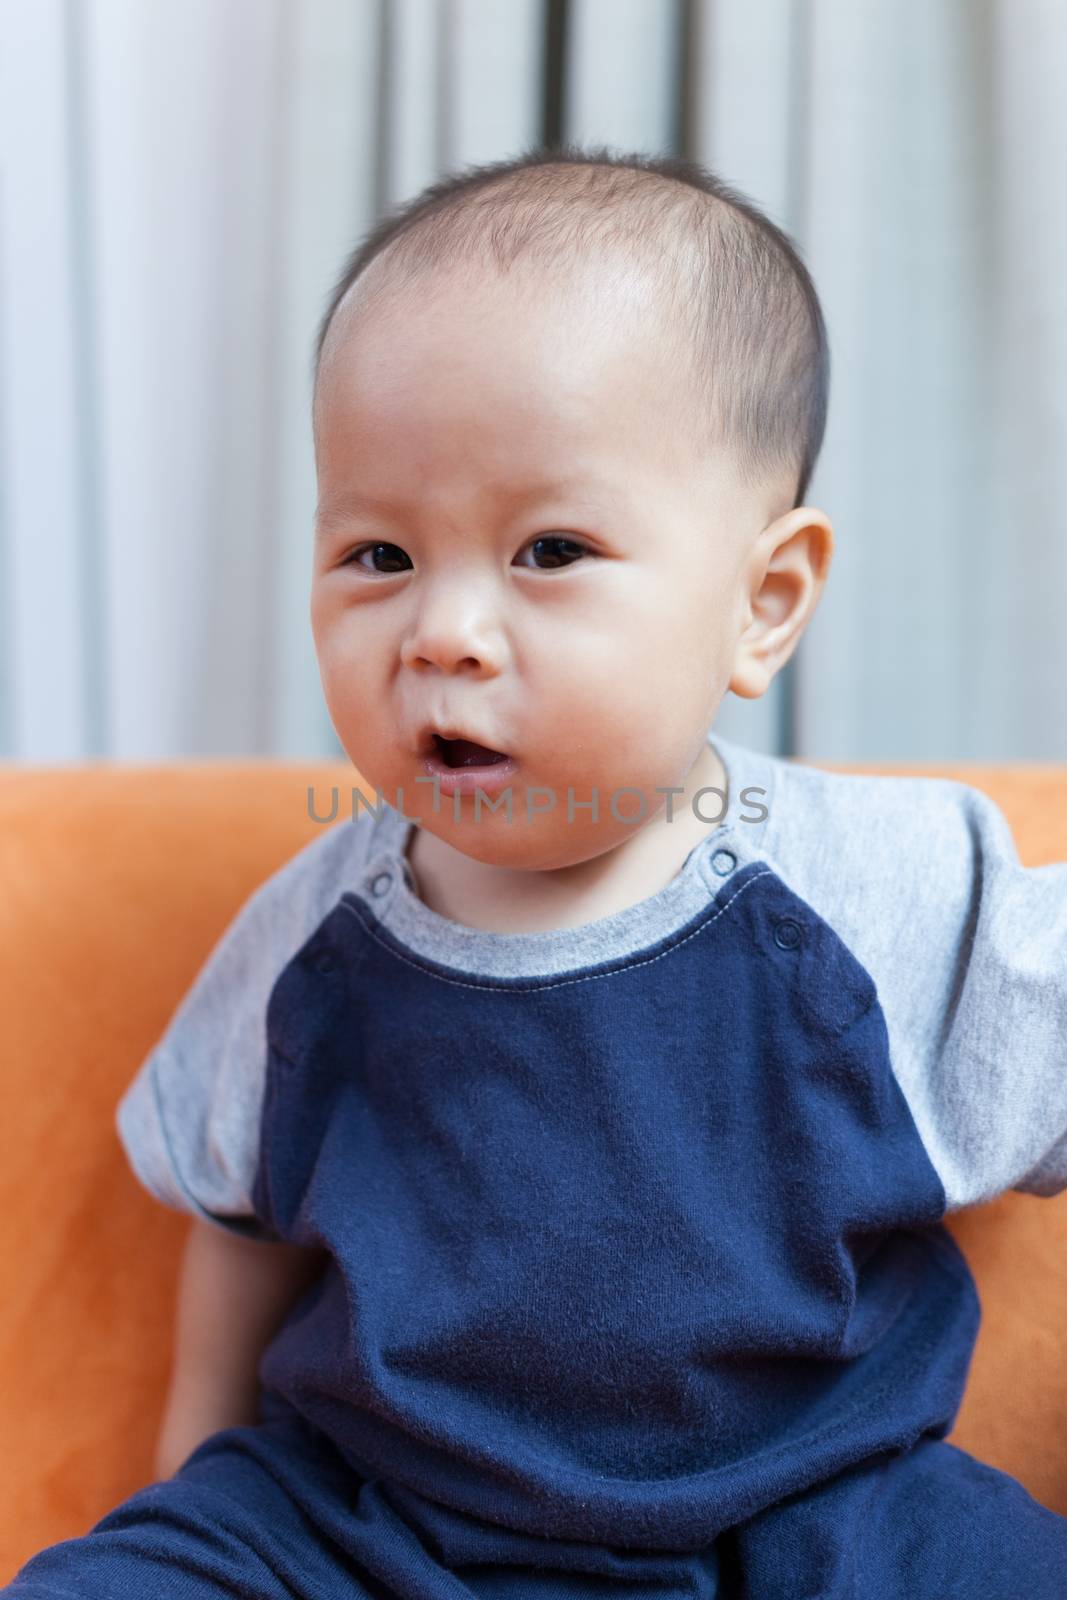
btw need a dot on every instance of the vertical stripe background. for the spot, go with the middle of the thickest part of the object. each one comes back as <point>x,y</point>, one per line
<point>180,183</point>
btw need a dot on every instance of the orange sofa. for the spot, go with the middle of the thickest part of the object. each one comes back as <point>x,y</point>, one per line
<point>115,882</point>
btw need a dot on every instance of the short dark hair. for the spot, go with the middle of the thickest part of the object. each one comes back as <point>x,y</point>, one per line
<point>745,307</point>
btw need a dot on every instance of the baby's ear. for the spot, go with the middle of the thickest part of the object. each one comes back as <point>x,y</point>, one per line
<point>789,565</point>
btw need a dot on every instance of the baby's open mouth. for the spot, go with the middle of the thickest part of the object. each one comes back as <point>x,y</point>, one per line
<point>465,753</point>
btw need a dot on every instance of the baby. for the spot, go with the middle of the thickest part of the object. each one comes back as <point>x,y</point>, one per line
<point>569,1138</point>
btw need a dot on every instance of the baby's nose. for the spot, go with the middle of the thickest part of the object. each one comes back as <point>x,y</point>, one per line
<point>455,634</point>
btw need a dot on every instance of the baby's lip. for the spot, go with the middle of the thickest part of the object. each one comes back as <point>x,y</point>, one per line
<point>430,735</point>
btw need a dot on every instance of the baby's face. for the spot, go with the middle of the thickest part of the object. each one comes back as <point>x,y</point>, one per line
<point>515,543</point>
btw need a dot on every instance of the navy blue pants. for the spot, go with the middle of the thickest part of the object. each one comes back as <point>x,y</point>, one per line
<point>271,1512</point>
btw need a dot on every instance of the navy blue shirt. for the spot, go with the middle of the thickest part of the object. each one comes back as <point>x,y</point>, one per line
<point>634,1230</point>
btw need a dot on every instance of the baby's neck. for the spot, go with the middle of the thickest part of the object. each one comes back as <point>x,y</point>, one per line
<point>512,900</point>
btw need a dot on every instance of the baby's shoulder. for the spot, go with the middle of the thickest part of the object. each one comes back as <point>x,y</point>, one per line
<point>272,925</point>
<point>920,877</point>
<point>878,856</point>
<point>853,839</point>
<point>293,900</point>
<point>189,1120</point>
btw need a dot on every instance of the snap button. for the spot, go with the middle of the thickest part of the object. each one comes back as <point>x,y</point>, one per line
<point>724,861</point>
<point>380,882</point>
<point>787,934</point>
<point>325,963</point>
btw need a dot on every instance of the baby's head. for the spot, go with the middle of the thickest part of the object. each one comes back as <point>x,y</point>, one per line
<point>566,411</point>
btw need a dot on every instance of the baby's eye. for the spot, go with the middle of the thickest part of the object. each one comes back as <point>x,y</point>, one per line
<point>558,550</point>
<point>392,552</point>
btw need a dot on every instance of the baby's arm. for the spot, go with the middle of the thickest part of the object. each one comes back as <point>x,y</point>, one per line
<point>233,1295</point>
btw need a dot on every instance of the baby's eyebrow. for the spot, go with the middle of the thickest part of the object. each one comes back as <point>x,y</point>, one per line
<point>354,501</point>
<point>514,495</point>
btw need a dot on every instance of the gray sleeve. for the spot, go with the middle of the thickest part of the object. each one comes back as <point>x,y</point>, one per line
<point>1001,1078</point>
<point>921,878</point>
<point>190,1120</point>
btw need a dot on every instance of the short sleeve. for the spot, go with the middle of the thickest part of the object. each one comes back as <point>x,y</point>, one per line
<point>190,1120</point>
<point>1000,1077</point>
<point>920,877</point>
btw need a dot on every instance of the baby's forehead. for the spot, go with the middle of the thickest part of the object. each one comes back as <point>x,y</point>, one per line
<point>604,287</point>
<point>570,360</point>
<point>555,361</point>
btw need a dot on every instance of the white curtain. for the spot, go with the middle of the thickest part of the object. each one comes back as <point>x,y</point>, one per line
<point>181,181</point>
